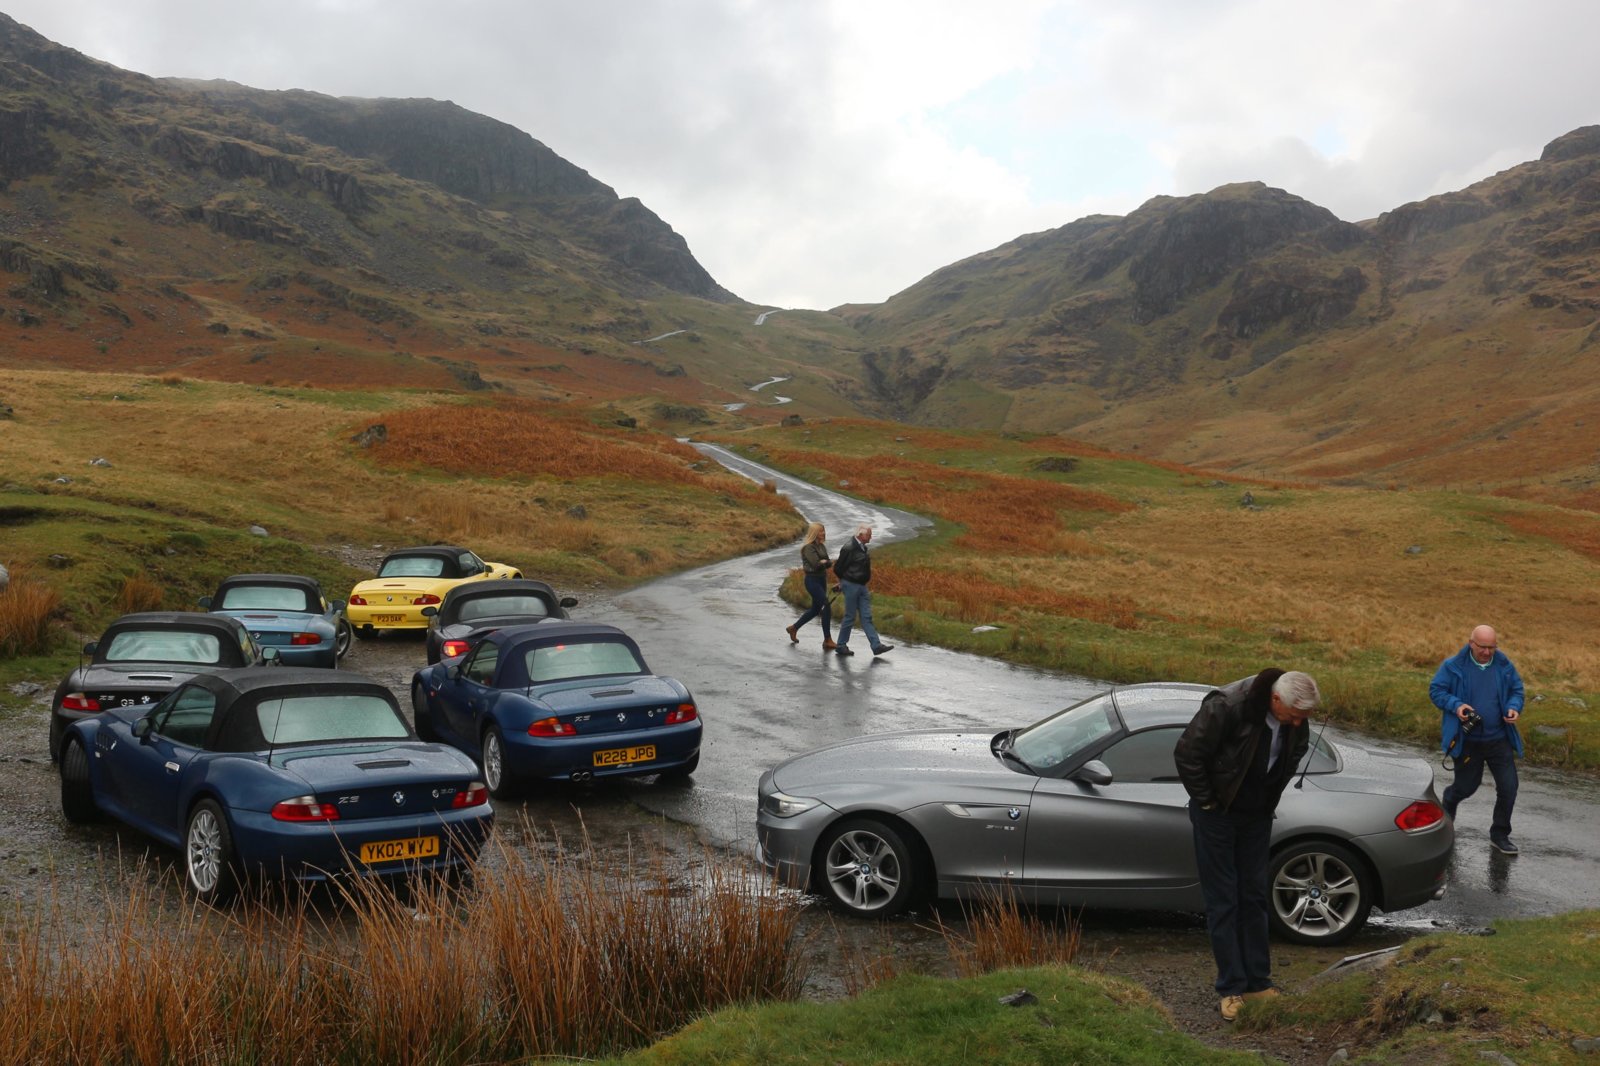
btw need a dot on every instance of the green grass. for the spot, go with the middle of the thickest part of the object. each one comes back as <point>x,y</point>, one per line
<point>1526,993</point>
<point>1079,1017</point>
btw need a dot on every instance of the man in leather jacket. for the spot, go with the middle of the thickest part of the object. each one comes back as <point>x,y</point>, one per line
<point>1235,758</point>
<point>853,568</point>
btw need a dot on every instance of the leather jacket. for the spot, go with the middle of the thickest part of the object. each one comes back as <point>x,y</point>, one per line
<point>853,563</point>
<point>1216,748</point>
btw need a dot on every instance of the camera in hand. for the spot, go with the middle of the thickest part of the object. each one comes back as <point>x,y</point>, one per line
<point>1470,720</point>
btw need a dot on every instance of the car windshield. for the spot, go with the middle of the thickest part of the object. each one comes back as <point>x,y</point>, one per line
<point>318,719</point>
<point>162,646</point>
<point>502,606</point>
<point>264,598</point>
<point>412,566</point>
<point>1063,736</point>
<point>556,662</point>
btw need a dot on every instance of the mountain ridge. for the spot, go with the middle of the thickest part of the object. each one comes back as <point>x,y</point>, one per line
<point>209,228</point>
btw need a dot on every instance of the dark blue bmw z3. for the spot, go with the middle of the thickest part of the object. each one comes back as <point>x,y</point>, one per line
<point>558,701</point>
<point>295,772</point>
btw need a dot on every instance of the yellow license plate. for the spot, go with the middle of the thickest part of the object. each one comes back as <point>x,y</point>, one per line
<point>379,619</point>
<point>398,850</point>
<point>624,756</point>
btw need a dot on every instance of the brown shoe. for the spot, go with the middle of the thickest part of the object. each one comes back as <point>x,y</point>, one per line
<point>793,636</point>
<point>1265,993</point>
<point>1230,1007</point>
<point>828,644</point>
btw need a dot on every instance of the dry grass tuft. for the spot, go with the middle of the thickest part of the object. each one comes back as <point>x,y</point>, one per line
<point>26,609</point>
<point>547,957</point>
<point>1002,934</point>
<point>139,593</point>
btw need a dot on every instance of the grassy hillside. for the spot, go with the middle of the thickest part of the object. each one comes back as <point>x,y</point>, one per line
<point>190,466</point>
<point>1104,564</point>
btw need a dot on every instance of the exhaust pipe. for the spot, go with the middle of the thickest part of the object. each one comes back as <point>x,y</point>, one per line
<point>582,775</point>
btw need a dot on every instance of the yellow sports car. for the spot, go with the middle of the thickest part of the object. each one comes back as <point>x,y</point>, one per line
<point>411,579</point>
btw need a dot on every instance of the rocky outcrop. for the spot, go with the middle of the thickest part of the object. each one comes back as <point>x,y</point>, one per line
<point>1305,300</point>
<point>1585,140</point>
<point>25,149</point>
<point>1175,248</point>
<point>232,159</point>
<point>47,273</point>
<point>1437,214</point>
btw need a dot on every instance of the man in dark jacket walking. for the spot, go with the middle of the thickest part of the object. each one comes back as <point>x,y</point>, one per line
<point>1235,758</point>
<point>853,568</point>
<point>1478,685</point>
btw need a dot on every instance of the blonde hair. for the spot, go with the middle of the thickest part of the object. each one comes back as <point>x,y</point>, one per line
<point>813,533</point>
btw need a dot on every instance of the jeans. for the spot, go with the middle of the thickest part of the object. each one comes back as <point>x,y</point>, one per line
<point>1230,851</point>
<point>817,585</point>
<point>858,600</point>
<point>1502,763</point>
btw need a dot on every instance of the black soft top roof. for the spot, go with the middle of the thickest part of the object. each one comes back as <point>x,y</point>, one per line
<point>248,681</point>
<point>506,587</point>
<point>179,620</point>
<point>451,550</point>
<point>290,580</point>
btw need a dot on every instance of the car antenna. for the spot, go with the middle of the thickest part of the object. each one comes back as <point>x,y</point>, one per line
<point>1303,770</point>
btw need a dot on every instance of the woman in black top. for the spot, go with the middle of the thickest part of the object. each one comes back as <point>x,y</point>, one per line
<point>815,562</point>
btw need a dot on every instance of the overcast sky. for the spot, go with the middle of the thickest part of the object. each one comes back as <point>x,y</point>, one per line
<point>818,152</point>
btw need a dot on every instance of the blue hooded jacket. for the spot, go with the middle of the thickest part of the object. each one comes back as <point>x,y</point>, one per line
<point>1449,690</point>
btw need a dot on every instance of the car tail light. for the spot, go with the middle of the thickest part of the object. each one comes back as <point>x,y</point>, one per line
<point>305,809</point>
<point>357,601</point>
<point>685,713</point>
<point>452,648</point>
<point>474,795</point>
<point>302,639</point>
<point>427,599</point>
<point>552,727</point>
<point>77,701</point>
<point>1419,815</point>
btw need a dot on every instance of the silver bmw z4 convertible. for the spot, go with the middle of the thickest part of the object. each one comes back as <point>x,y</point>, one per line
<point>1084,808</point>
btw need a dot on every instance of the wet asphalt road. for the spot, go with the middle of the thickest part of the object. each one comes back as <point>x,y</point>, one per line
<point>720,629</point>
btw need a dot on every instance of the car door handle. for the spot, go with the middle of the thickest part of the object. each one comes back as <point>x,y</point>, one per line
<point>173,767</point>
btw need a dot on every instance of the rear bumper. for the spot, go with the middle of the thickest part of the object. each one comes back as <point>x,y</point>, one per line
<point>1411,867</point>
<point>394,616</point>
<point>573,758</point>
<point>317,851</point>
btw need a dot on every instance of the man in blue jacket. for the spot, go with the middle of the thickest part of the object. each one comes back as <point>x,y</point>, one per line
<point>1480,693</point>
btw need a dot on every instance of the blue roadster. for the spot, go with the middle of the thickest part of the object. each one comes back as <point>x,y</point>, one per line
<point>287,612</point>
<point>295,772</point>
<point>558,700</point>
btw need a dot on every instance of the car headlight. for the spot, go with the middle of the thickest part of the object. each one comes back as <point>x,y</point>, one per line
<point>780,805</point>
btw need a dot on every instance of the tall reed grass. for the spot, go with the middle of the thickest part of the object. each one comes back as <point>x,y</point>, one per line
<point>26,609</point>
<point>543,957</point>
<point>139,593</point>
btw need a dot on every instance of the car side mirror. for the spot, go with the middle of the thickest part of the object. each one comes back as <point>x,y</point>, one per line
<point>91,647</point>
<point>271,656</point>
<point>454,673</point>
<point>1093,772</point>
<point>336,605</point>
<point>142,727</point>
<point>429,612</point>
<point>569,601</point>
<point>204,601</point>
